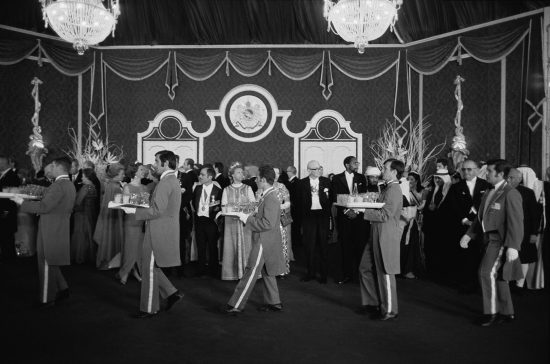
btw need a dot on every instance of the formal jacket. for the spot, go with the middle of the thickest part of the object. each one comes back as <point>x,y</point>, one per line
<point>162,229</point>
<point>223,181</point>
<point>215,196</point>
<point>55,210</point>
<point>304,193</point>
<point>385,231</point>
<point>267,233</point>
<point>187,180</point>
<point>461,202</point>
<point>502,219</point>
<point>531,213</point>
<point>340,186</point>
<point>10,179</point>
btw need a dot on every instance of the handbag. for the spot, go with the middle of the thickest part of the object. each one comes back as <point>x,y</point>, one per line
<point>286,218</point>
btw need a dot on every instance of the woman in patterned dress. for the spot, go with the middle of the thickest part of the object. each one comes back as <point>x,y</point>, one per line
<point>237,237</point>
<point>284,198</point>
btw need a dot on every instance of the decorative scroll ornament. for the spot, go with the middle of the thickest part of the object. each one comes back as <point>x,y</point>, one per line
<point>361,21</point>
<point>459,152</point>
<point>36,149</point>
<point>81,22</point>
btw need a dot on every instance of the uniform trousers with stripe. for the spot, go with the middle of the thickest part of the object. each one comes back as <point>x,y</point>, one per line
<point>256,263</point>
<point>377,287</point>
<point>50,276</point>
<point>495,291</point>
<point>153,281</point>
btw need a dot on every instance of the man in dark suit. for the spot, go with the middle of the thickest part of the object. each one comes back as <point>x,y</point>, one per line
<point>381,257</point>
<point>266,255</point>
<point>53,238</point>
<point>315,206</point>
<point>250,174</point>
<point>500,222</point>
<point>8,177</point>
<point>292,186</point>
<point>531,224</point>
<point>465,197</point>
<point>187,178</point>
<point>220,177</point>
<point>206,202</point>
<point>350,224</point>
<point>161,240</point>
<point>8,210</point>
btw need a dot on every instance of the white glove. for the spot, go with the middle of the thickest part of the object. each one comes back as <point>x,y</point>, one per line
<point>129,210</point>
<point>18,200</point>
<point>243,217</point>
<point>464,241</point>
<point>511,254</point>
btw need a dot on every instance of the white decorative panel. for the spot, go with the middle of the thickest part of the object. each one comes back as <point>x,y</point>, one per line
<point>185,141</point>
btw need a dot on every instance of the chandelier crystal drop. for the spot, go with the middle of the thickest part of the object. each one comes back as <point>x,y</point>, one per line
<point>81,22</point>
<point>361,21</point>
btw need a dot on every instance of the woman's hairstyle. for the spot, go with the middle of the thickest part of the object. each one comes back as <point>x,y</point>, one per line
<point>114,169</point>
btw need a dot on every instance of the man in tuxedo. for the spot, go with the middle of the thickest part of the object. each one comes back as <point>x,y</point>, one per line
<point>250,180</point>
<point>315,206</point>
<point>292,186</point>
<point>8,177</point>
<point>206,202</point>
<point>381,257</point>
<point>220,177</point>
<point>53,238</point>
<point>500,222</point>
<point>161,241</point>
<point>187,178</point>
<point>465,198</point>
<point>349,222</point>
<point>266,255</point>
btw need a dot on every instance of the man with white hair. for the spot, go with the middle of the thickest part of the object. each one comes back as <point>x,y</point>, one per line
<point>315,207</point>
<point>373,176</point>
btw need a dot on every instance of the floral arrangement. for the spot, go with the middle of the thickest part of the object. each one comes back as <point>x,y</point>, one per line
<point>412,148</point>
<point>94,149</point>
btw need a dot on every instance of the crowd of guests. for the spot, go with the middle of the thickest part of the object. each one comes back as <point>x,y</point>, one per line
<point>428,215</point>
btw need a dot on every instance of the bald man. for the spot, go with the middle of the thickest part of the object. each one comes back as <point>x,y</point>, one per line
<point>465,198</point>
<point>315,206</point>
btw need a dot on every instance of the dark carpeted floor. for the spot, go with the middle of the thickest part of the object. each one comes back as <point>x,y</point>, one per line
<point>318,325</point>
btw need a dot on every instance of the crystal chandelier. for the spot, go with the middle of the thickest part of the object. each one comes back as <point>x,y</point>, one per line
<point>361,21</point>
<point>81,22</point>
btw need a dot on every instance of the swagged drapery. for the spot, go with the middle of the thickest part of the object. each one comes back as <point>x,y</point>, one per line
<point>488,45</point>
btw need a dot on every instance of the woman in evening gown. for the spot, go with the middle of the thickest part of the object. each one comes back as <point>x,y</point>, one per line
<point>85,213</point>
<point>133,229</point>
<point>237,237</point>
<point>109,230</point>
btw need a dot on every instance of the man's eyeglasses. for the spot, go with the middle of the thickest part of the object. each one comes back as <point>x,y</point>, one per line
<point>468,169</point>
<point>313,169</point>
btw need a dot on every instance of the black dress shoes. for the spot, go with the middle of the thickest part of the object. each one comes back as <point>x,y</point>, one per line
<point>367,310</point>
<point>345,280</point>
<point>307,279</point>
<point>232,311</point>
<point>143,315</point>
<point>487,320</point>
<point>172,299</point>
<point>40,305</point>
<point>388,316</point>
<point>271,308</point>
<point>505,319</point>
<point>62,295</point>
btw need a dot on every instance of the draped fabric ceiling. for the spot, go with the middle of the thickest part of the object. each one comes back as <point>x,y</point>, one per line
<point>146,22</point>
<point>222,22</point>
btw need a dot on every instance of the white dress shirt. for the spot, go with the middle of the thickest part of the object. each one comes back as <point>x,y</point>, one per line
<point>471,186</point>
<point>204,203</point>
<point>314,186</point>
<point>349,180</point>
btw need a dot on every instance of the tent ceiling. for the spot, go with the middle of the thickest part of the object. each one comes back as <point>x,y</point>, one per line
<point>220,22</point>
